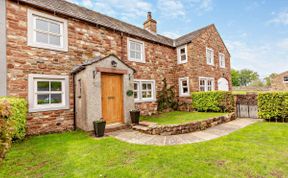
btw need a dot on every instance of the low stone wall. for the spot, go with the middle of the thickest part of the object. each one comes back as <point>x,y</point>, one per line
<point>185,128</point>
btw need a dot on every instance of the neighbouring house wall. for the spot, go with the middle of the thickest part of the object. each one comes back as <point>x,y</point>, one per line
<point>277,83</point>
<point>89,106</point>
<point>85,42</point>
<point>3,66</point>
<point>197,65</point>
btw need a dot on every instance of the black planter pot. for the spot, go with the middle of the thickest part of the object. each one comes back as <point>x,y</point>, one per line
<point>135,116</point>
<point>99,128</point>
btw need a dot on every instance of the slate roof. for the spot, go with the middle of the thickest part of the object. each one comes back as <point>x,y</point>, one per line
<point>96,59</point>
<point>66,8</point>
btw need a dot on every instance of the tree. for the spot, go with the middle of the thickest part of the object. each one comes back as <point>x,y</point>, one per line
<point>243,77</point>
<point>235,77</point>
<point>268,79</point>
<point>246,76</point>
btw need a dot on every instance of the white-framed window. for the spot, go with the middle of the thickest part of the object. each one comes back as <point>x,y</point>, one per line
<point>222,60</point>
<point>144,90</point>
<point>182,56</point>
<point>184,89</point>
<point>47,31</point>
<point>210,56</point>
<point>48,92</point>
<point>285,79</point>
<point>206,84</point>
<point>136,50</point>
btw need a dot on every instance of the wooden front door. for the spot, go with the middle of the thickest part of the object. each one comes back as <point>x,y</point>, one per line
<point>112,98</point>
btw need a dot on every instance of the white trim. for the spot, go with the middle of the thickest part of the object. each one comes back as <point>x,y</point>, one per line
<point>179,61</point>
<point>212,57</point>
<point>206,84</point>
<point>220,62</point>
<point>181,86</point>
<point>3,51</point>
<point>140,99</point>
<point>142,50</point>
<point>32,78</point>
<point>31,28</point>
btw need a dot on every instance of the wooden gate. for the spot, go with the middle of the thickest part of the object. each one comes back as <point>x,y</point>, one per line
<point>247,111</point>
<point>246,106</point>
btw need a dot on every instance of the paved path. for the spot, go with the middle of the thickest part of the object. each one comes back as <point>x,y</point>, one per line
<point>136,137</point>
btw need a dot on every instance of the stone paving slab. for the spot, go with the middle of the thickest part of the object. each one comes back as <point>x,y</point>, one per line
<point>132,136</point>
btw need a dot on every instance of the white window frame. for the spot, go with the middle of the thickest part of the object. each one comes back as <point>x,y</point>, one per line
<point>179,61</point>
<point>32,94</point>
<point>206,79</point>
<point>284,79</point>
<point>142,60</point>
<point>139,99</point>
<point>32,16</point>
<point>180,80</point>
<point>212,57</point>
<point>222,60</point>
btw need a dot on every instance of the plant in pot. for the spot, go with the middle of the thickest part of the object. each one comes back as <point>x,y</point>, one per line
<point>135,116</point>
<point>99,127</point>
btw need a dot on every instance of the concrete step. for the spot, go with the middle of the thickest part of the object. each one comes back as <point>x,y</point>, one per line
<point>115,126</point>
<point>140,127</point>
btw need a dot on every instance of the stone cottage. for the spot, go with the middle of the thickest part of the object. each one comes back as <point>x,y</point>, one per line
<point>280,82</point>
<point>75,65</point>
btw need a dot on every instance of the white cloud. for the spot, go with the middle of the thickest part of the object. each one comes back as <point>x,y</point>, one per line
<point>171,8</point>
<point>283,44</point>
<point>281,18</point>
<point>263,58</point>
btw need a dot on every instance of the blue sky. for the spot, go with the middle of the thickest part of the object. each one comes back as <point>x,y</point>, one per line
<point>255,32</point>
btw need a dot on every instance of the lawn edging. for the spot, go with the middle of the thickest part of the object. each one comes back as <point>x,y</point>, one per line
<point>176,129</point>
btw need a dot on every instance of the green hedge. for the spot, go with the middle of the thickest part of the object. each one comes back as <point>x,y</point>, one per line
<point>13,113</point>
<point>213,101</point>
<point>273,105</point>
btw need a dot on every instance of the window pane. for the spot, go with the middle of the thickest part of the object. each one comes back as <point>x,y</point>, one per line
<point>138,47</point>
<point>149,86</point>
<point>202,88</point>
<point>132,46</point>
<point>138,55</point>
<point>132,54</point>
<point>56,86</point>
<point>54,28</point>
<point>182,51</point>
<point>185,90</point>
<point>144,94</point>
<point>286,79</point>
<point>56,98</point>
<point>135,86</point>
<point>184,83</point>
<point>54,40</point>
<point>183,58</point>
<point>144,86</point>
<point>41,37</point>
<point>43,99</point>
<point>41,25</point>
<point>135,95</point>
<point>43,86</point>
<point>149,94</point>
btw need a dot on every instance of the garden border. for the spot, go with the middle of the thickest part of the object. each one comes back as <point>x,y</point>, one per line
<point>176,129</point>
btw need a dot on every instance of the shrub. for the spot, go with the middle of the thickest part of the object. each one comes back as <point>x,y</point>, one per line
<point>12,122</point>
<point>273,105</point>
<point>213,101</point>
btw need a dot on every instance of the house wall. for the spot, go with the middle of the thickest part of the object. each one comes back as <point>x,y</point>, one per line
<point>277,83</point>
<point>89,106</point>
<point>85,42</point>
<point>197,65</point>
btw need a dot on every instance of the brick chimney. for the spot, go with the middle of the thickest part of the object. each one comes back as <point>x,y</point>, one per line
<point>150,24</point>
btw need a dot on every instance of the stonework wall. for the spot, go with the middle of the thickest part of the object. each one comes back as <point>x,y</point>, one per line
<point>185,128</point>
<point>86,41</point>
<point>278,84</point>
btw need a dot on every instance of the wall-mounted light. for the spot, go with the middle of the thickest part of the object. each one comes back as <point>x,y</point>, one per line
<point>114,63</point>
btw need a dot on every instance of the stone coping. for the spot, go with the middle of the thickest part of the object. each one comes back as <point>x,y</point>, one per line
<point>176,129</point>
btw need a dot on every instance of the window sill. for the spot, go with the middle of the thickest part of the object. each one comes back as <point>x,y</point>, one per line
<point>185,95</point>
<point>41,46</point>
<point>134,60</point>
<point>183,62</point>
<point>145,101</point>
<point>31,110</point>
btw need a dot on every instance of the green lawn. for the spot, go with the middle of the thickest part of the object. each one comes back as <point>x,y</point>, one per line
<point>259,150</point>
<point>178,117</point>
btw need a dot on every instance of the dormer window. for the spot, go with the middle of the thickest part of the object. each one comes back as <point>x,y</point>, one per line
<point>182,54</point>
